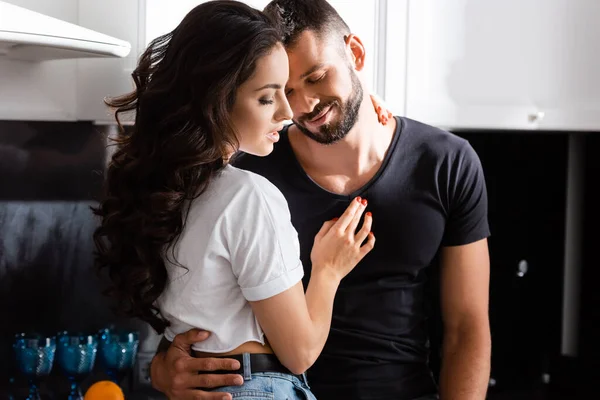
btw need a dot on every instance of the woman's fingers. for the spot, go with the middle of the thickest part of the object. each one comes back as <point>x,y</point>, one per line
<point>342,224</point>
<point>365,229</point>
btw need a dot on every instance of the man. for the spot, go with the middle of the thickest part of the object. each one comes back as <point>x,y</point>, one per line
<point>427,194</point>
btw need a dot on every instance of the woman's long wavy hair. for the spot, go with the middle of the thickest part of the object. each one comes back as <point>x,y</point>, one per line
<point>185,87</point>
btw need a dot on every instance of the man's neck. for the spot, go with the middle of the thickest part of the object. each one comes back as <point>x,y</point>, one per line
<point>348,164</point>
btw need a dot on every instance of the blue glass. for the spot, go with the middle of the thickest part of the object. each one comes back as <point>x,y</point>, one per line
<point>11,383</point>
<point>76,354</point>
<point>34,355</point>
<point>118,352</point>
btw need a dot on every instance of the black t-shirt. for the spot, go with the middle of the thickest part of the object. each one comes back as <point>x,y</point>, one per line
<point>429,192</point>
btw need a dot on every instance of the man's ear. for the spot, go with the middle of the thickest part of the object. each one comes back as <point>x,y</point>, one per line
<point>357,51</point>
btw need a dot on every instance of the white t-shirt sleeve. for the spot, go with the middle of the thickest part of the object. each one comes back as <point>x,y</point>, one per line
<point>263,244</point>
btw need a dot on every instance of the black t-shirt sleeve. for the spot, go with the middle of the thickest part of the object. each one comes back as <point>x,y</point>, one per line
<point>467,220</point>
<point>242,160</point>
<point>249,162</point>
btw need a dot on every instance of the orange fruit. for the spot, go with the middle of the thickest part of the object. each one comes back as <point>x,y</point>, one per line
<point>104,390</point>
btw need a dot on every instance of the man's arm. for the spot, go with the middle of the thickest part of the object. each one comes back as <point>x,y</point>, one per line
<point>465,275</point>
<point>174,371</point>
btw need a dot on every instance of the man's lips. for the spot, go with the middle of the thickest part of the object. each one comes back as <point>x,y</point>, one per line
<point>321,114</point>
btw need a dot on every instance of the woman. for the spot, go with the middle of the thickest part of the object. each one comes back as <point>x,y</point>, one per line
<point>191,241</point>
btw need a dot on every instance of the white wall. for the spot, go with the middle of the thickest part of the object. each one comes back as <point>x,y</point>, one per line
<point>162,16</point>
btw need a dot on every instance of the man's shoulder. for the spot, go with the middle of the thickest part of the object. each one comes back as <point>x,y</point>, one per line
<point>263,165</point>
<point>249,162</point>
<point>428,137</point>
<point>434,144</point>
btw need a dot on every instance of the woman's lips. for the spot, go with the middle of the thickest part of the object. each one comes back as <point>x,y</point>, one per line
<point>274,136</point>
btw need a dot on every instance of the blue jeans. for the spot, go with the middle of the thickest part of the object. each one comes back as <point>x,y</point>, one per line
<point>270,385</point>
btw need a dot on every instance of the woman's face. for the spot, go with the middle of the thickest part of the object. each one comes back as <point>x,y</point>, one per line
<point>261,106</point>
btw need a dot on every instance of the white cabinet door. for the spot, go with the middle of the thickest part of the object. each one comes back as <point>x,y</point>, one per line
<point>99,78</point>
<point>40,91</point>
<point>523,64</point>
<point>72,89</point>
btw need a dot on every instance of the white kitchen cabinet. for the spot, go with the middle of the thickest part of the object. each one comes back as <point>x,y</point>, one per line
<point>70,89</point>
<point>511,64</point>
<point>99,78</point>
<point>40,91</point>
<point>65,10</point>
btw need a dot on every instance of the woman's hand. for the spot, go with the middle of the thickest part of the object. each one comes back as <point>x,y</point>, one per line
<point>383,114</point>
<point>338,247</point>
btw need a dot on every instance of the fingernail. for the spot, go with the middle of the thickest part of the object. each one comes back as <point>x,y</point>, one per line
<point>335,219</point>
<point>235,365</point>
<point>369,214</point>
<point>202,335</point>
<point>238,381</point>
<point>364,202</point>
<point>225,398</point>
<point>358,199</point>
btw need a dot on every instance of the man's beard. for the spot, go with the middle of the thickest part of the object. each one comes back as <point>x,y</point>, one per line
<point>335,131</point>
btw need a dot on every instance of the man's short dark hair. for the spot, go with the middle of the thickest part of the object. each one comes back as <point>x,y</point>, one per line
<point>297,16</point>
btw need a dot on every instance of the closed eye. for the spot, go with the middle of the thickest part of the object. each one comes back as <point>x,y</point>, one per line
<point>313,81</point>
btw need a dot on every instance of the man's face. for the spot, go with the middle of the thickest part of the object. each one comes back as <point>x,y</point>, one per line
<point>323,90</point>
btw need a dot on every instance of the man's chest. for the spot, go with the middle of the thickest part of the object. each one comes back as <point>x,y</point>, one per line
<point>340,183</point>
<point>408,226</point>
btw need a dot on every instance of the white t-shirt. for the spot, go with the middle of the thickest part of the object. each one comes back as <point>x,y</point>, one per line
<point>238,245</point>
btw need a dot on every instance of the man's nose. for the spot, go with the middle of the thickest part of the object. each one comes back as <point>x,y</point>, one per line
<point>303,103</point>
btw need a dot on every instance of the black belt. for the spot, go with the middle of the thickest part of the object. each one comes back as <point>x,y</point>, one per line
<point>258,363</point>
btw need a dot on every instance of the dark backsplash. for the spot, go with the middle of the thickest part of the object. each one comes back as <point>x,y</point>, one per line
<point>46,268</point>
<point>50,175</point>
<point>51,160</point>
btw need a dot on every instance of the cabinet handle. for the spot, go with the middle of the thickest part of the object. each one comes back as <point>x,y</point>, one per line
<point>523,268</point>
<point>537,117</point>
